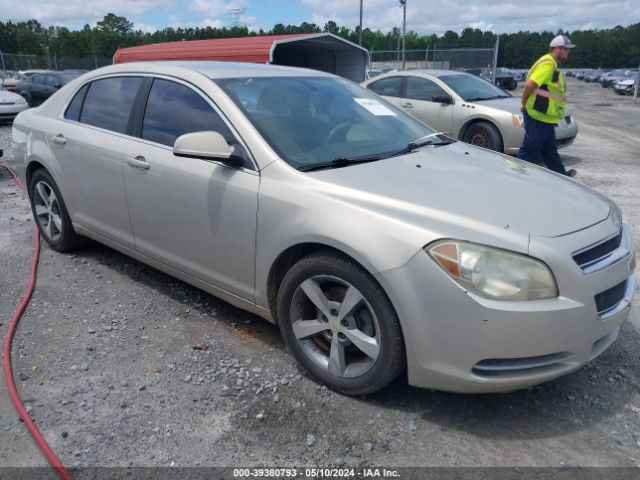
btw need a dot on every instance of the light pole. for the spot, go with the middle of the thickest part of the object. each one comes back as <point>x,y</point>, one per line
<point>404,29</point>
<point>360,32</point>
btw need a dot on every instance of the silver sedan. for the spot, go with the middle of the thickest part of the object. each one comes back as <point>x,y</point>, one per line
<point>464,106</point>
<point>376,245</point>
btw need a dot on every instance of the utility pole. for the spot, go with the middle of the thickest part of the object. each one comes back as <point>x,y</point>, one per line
<point>360,32</point>
<point>404,29</point>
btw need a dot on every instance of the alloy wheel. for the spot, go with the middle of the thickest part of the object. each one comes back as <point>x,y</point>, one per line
<point>47,211</point>
<point>335,326</point>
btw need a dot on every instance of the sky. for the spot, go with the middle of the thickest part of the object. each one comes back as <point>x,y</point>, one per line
<point>424,16</point>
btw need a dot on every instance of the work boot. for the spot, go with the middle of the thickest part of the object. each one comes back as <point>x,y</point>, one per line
<point>571,173</point>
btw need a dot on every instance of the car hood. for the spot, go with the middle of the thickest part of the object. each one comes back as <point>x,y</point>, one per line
<point>470,187</point>
<point>8,97</point>
<point>509,104</point>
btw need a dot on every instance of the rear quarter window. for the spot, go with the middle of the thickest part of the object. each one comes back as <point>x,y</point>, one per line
<point>73,110</point>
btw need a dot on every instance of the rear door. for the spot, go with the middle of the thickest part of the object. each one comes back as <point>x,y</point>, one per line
<point>198,216</point>
<point>87,147</point>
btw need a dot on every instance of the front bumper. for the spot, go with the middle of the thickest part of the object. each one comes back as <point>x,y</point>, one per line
<point>457,341</point>
<point>566,132</point>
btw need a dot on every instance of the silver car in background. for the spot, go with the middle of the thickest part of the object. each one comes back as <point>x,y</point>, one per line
<point>376,245</point>
<point>463,106</point>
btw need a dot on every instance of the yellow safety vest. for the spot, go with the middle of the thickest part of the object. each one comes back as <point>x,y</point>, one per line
<point>548,102</point>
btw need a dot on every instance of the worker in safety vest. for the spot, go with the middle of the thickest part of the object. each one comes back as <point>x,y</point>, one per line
<point>543,104</point>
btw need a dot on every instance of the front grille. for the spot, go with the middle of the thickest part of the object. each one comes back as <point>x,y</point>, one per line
<point>593,254</point>
<point>608,299</point>
<point>509,367</point>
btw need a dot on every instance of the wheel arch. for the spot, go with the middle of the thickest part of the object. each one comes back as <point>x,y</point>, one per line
<point>294,253</point>
<point>31,169</point>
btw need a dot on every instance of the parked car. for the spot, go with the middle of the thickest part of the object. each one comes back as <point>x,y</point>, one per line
<point>374,243</point>
<point>609,79</point>
<point>10,104</point>
<point>38,87</point>
<point>10,79</point>
<point>506,79</point>
<point>625,87</point>
<point>464,107</point>
<point>594,76</point>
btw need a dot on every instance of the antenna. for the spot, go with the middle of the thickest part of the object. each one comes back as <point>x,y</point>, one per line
<point>234,15</point>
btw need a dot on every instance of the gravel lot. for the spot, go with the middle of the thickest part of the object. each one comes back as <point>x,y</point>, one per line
<point>121,365</point>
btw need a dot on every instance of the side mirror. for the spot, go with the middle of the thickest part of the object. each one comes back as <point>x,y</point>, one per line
<point>209,146</point>
<point>446,99</point>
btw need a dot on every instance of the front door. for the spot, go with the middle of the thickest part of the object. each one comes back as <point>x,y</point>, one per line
<point>195,215</point>
<point>418,101</point>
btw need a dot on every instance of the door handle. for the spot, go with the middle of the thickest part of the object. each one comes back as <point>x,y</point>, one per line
<point>138,162</point>
<point>59,139</point>
<point>407,105</point>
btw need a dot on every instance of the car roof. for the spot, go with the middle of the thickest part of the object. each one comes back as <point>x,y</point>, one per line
<point>211,69</point>
<point>424,71</point>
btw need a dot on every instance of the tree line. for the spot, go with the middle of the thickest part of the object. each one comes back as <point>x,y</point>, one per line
<point>614,47</point>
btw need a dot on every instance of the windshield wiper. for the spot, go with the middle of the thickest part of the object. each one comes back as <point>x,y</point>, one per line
<point>435,139</point>
<point>339,162</point>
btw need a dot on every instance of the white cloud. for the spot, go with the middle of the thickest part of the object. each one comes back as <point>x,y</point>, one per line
<point>73,13</point>
<point>216,8</point>
<point>144,27</point>
<point>438,16</point>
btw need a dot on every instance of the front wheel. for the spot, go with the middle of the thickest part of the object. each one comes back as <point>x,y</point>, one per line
<point>340,325</point>
<point>485,135</point>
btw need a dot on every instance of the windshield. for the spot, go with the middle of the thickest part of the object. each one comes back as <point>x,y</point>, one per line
<point>314,120</point>
<point>472,88</point>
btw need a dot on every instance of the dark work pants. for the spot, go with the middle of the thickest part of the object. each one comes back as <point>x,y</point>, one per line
<point>540,140</point>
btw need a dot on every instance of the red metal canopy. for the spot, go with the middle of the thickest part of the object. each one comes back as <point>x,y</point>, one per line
<point>244,49</point>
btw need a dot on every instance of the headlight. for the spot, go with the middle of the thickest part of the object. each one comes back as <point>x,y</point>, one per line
<point>518,120</point>
<point>494,273</point>
<point>20,101</point>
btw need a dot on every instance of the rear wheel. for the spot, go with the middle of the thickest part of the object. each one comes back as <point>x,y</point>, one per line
<point>51,214</point>
<point>485,135</point>
<point>340,325</point>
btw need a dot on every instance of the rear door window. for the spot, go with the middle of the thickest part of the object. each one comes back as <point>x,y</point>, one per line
<point>108,103</point>
<point>391,86</point>
<point>174,109</point>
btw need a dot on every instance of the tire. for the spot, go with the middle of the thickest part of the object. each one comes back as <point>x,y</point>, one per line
<point>321,337</point>
<point>50,213</point>
<point>485,135</point>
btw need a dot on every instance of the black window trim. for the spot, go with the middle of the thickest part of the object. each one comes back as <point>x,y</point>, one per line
<point>136,116</point>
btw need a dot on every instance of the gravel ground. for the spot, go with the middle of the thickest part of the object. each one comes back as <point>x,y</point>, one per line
<point>121,365</point>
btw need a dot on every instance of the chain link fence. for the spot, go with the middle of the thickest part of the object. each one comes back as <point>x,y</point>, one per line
<point>19,62</point>
<point>473,60</point>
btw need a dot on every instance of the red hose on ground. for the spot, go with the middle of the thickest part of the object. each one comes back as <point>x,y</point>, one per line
<point>51,457</point>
